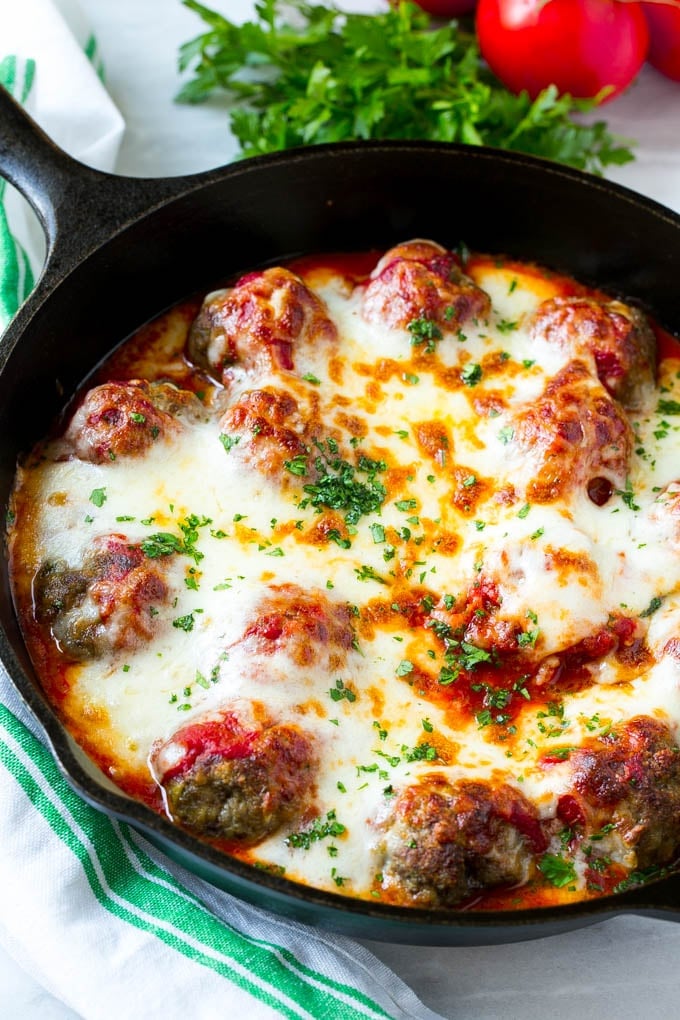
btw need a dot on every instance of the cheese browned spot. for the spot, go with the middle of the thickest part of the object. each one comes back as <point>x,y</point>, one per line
<point>384,595</point>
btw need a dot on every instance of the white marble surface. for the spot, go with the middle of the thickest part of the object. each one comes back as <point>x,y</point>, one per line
<point>625,968</point>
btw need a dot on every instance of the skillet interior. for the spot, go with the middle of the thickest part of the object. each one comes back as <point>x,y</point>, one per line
<point>348,197</point>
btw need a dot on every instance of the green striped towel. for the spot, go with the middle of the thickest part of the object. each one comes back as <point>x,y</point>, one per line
<point>16,273</point>
<point>105,921</point>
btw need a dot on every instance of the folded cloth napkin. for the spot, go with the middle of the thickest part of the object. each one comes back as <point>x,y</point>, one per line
<point>88,907</point>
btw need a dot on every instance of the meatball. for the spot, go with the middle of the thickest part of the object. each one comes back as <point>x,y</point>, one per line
<point>618,337</point>
<point>631,779</point>
<point>226,779</point>
<point>422,280</point>
<point>257,323</point>
<point>306,625</point>
<point>574,433</point>
<point>444,842</point>
<point>105,605</point>
<point>265,429</point>
<point>124,419</point>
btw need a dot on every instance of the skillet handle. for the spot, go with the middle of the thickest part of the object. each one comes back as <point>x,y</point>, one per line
<point>78,207</point>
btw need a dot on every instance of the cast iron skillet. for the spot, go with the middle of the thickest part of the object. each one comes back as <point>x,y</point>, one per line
<point>121,250</point>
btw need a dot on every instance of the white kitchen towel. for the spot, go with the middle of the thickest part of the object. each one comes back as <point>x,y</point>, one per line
<point>108,924</point>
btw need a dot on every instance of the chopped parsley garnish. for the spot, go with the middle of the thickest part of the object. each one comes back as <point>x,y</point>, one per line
<point>628,496</point>
<point>668,407</point>
<point>98,497</point>
<point>318,830</point>
<point>506,327</point>
<point>640,878</point>
<point>378,532</point>
<point>421,752</point>
<point>494,697</point>
<point>367,573</point>
<point>404,668</point>
<point>337,487</point>
<point>297,466</point>
<point>191,581</point>
<point>334,536</point>
<point>382,733</point>
<point>424,331</point>
<point>340,692</point>
<point>137,418</point>
<point>557,870</point>
<point>229,442</point>
<point>561,753</point>
<point>161,544</point>
<point>311,379</point>
<point>655,604</point>
<point>506,434</point>
<point>471,374</point>
<point>528,638</point>
<point>185,623</point>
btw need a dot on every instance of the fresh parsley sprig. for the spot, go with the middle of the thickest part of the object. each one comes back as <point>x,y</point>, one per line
<point>302,73</point>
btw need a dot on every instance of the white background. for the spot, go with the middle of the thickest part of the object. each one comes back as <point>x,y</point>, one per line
<point>626,968</point>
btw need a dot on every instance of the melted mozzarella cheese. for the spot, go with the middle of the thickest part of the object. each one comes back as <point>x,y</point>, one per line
<point>563,566</point>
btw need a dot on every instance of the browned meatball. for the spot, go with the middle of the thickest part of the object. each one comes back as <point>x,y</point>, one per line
<point>124,419</point>
<point>574,433</point>
<point>422,280</point>
<point>631,779</point>
<point>265,428</point>
<point>225,779</point>
<point>618,337</point>
<point>302,623</point>
<point>257,323</point>
<point>106,605</point>
<point>446,841</point>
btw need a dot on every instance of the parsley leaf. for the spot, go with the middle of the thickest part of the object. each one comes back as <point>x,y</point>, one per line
<point>424,331</point>
<point>471,374</point>
<point>98,497</point>
<point>337,486</point>
<point>558,871</point>
<point>318,830</point>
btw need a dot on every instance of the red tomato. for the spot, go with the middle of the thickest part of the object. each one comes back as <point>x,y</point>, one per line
<point>447,8</point>
<point>581,46</point>
<point>663,20</point>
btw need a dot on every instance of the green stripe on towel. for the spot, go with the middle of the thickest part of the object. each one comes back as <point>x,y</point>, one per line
<point>16,277</point>
<point>129,885</point>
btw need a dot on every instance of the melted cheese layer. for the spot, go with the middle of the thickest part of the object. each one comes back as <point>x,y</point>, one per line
<point>562,569</point>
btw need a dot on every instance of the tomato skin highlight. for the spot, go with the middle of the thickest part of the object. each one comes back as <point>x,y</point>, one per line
<point>581,46</point>
<point>663,20</point>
